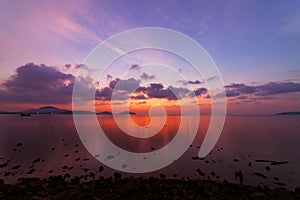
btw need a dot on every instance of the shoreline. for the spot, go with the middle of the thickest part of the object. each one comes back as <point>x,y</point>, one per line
<point>56,187</point>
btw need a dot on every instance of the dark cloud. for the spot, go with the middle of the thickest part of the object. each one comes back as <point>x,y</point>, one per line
<point>108,77</point>
<point>232,93</point>
<point>38,84</point>
<point>241,91</point>
<point>200,91</point>
<point>211,78</point>
<point>80,66</point>
<point>196,82</point>
<point>140,96</point>
<point>241,88</point>
<point>278,88</point>
<point>125,85</point>
<point>68,66</point>
<point>135,67</point>
<point>157,90</point>
<point>146,77</point>
<point>184,82</point>
<point>104,93</point>
<point>140,103</point>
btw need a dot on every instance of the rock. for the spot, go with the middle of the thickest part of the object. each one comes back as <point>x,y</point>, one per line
<point>162,176</point>
<point>16,167</point>
<point>101,169</point>
<point>3,165</point>
<point>258,195</point>
<point>31,171</point>
<point>267,168</point>
<point>200,172</point>
<point>260,175</point>
<point>19,144</point>
<point>37,160</point>
<point>117,175</point>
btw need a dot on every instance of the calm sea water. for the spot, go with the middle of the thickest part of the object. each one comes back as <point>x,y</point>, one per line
<point>45,145</point>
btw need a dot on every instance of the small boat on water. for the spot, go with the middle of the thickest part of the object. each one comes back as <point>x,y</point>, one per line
<point>25,114</point>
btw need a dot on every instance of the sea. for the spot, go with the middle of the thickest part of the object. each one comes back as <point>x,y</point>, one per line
<point>264,148</point>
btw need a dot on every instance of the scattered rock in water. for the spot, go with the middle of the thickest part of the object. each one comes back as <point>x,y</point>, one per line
<point>250,164</point>
<point>269,161</point>
<point>3,165</point>
<point>236,160</point>
<point>279,163</point>
<point>85,159</point>
<point>37,160</point>
<point>85,169</point>
<point>76,151</point>
<point>19,144</point>
<point>52,149</point>
<point>6,173</point>
<point>67,175</point>
<point>260,175</point>
<point>201,173</point>
<point>279,183</point>
<point>162,176</point>
<point>239,175</point>
<point>31,171</point>
<point>16,167</point>
<point>206,161</point>
<point>197,158</point>
<point>76,145</point>
<point>14,149</point>
<point>67,155</point>
<point>101,169</point>
<point>117,175</point>
<point>77,159</point>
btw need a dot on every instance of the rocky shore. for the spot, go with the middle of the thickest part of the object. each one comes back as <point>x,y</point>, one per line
<point>116,187</point>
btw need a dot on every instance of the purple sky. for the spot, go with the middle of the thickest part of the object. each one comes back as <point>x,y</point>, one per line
<point>255,44</point>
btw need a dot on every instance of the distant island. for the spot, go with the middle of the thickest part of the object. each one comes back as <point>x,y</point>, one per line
<point>104,113</point>
<point>127,113</point>
<point>288,113</point>
<point>47,110</point>
<point>54,110</point>
<point>121,113</point>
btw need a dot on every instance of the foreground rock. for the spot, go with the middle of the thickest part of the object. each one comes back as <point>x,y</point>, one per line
<point>136,188</point>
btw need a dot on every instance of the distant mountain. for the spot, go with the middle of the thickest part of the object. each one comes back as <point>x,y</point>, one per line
<point>46,110</point>
<point>54,110</point>
<point>104,113</point>
<point>288,113</point>
<point>127,113</point>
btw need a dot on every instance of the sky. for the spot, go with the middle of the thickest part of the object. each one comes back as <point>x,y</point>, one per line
<point>255,44</point>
